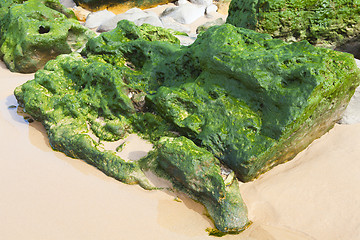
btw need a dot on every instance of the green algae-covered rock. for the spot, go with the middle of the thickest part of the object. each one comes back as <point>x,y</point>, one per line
<point>5,5</point>
<point>254,101</point>
<point>198,173</point>
<point>238,99</point>
<point>36,31</point>
<point>324,23</point>
<point>68,97</point>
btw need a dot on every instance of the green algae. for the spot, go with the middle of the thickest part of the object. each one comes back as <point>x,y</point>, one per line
<point>197,172</point>
<point>234,99</point>
<point>323,23</point>
<point>36,31</point>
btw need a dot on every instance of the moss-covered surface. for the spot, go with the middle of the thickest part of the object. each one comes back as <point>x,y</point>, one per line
<point>197,172</point>
<point>36,31</point>
<point>99,4</point>
<point>323,23</point>
<point>237,98</point>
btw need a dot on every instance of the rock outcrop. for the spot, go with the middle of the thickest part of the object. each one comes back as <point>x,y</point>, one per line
<point>36,31</point>
<point>235,99</point>
<point>322,23</point>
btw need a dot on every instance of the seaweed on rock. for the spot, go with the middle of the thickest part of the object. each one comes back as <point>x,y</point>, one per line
<point>36,31</point>
<point>238,99</point>
<point>322,23</point>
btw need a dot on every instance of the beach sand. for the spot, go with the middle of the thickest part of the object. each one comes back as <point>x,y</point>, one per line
<point>46,195</point>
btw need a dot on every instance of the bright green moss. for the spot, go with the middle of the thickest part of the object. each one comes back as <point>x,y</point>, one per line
<point>324,23</point>
<point>197,172</point>
<point>75,98</point>
<point>36,31</point>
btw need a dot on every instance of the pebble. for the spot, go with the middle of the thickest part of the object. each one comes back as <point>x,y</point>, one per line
<point>95,19</point>
<point>132,15</point>
<point>68,3</point>
<point>169,22</point>
<point>185,14</point>
<point>202,2</point>
<point>211,9</point>
<point>80,13</point>
<point>152,20</point>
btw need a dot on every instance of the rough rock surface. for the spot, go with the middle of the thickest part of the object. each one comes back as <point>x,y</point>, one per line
<point>36,31</point>
<point>198,173</point>
<point>242,97</point>
<point>67,96</point>
<point>324,23</point>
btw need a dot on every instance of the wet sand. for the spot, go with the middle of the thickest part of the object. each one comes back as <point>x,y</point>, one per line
<point>46,195</point>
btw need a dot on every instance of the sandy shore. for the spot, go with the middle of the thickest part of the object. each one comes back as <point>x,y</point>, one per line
<point>46,195</point>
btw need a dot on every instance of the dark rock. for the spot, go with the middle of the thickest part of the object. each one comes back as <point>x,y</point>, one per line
<point>36,31</point>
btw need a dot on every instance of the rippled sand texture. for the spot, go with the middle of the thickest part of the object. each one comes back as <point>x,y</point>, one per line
<point>46,195</point>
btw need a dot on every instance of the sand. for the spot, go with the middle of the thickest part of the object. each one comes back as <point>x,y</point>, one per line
<point>46,195</point>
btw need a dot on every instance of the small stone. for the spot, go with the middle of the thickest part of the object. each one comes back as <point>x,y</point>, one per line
<point>134,10</point>
<point>68,3</point>
<point>181,2</point>
<point>131,15</point>
<point>211,9</point>
<point>152,20</point>
<point>185,14</point>
<point>185,40</point>
<point>95,19</point>
<point>81,13</point>
<point>169,22</point>
<point>202,2</point>
<point>206,25</point>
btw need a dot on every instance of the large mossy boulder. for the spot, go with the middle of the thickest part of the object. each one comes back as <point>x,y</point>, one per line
<point>235,99</point>
<point>36,31</point>
<point>120,4</point>
<point>324,23</point>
